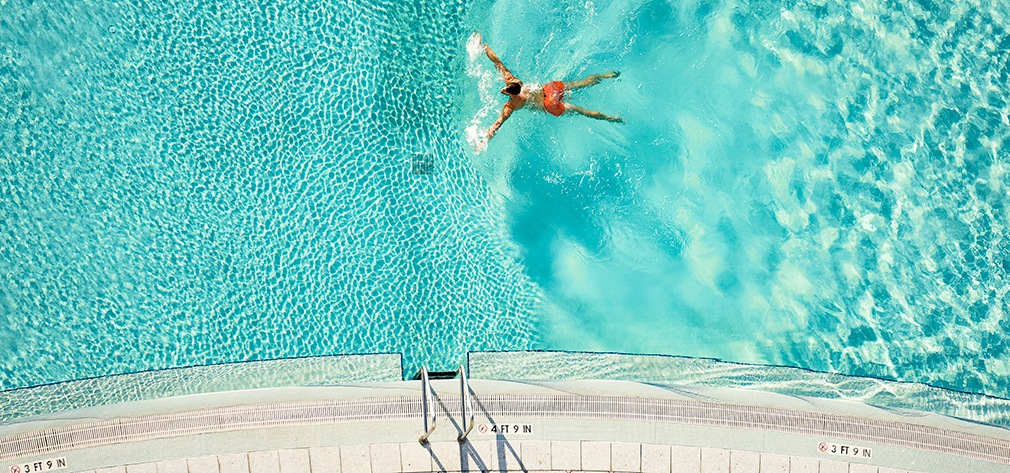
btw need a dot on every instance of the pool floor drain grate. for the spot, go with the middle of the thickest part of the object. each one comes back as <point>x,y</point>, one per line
<point>422,164</point>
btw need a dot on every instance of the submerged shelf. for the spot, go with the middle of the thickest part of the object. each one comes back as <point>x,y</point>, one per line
<point>145,385</point>
<point>707,372</point>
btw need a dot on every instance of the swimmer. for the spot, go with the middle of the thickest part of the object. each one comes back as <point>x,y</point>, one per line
<point>549,98</point>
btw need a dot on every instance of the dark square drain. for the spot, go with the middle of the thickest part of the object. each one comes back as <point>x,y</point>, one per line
<point>422,164</point>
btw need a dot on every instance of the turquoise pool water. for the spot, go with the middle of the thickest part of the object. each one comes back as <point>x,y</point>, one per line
<point>814,184</point>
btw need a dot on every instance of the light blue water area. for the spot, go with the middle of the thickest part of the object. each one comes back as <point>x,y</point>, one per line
<point>809,183</point>
<point>815,184</point>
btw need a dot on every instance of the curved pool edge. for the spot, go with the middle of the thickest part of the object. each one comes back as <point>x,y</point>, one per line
<point>529,366</point>
<point>384,414</point>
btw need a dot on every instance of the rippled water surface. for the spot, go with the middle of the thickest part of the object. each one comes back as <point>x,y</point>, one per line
<point>817,184</point>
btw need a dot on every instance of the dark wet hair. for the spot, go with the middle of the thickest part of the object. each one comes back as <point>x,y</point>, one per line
<point>514,88</point>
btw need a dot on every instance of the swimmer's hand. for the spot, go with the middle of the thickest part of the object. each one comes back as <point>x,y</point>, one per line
<point>616,119</point>
<point>480,146</point>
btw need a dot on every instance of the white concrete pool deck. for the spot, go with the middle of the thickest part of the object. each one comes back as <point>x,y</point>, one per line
<point>592,426</point>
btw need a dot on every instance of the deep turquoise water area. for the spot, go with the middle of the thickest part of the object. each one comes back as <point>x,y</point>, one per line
<point>817,184</point>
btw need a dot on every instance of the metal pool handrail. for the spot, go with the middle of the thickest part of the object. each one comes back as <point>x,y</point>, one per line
<point>467,407</point>
<point>428,405</point>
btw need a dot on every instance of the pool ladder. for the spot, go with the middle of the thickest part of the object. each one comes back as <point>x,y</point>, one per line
<point>428,401</point>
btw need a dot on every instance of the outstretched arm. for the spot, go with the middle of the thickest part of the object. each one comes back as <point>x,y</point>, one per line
<point>506,112</point>
<point>505,73</point>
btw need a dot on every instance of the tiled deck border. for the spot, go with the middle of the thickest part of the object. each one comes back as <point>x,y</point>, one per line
<point>108,432</point>
<point>486,456</point>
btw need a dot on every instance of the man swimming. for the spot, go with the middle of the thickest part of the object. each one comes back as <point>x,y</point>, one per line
<point>549,98</point>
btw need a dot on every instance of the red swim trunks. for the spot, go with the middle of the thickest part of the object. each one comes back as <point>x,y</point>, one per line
<point>554,94</point>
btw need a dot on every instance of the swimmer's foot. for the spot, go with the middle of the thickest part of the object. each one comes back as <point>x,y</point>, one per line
<point>609,118</point>
<point>591,80</point>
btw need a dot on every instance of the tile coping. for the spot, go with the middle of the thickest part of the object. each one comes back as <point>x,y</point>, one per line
<point>558,406</point>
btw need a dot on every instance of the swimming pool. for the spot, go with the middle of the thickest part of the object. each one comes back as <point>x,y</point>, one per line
<point>815,184</point>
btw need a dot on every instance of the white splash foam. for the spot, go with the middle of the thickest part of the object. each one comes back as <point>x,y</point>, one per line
<point>477,138</point>
<point>473,46</point>
<point>475,132</point>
